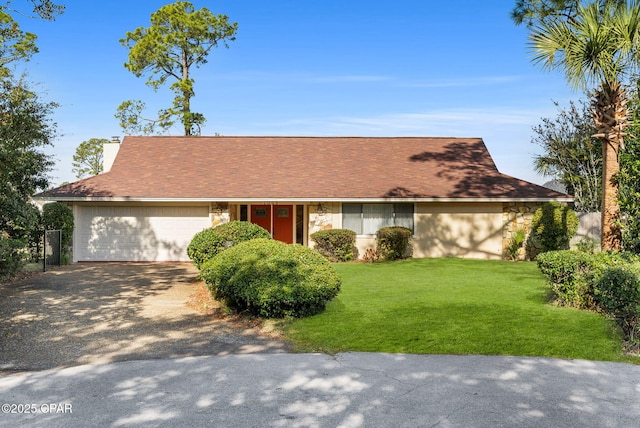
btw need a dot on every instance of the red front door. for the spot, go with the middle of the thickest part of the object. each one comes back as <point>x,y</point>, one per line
<point>278,216</point>
<point>283,223</point>
<point>261,215</point>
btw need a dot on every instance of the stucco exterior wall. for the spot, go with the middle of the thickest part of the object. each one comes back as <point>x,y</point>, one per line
<point>451,229</point>
<point>447,229</point>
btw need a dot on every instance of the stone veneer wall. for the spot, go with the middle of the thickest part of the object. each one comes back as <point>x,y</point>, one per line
<point>515,216</point>
<point>320,219</point>
<point>219,213</point>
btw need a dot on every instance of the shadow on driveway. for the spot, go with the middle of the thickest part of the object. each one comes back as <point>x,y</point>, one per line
<point>98,313</point>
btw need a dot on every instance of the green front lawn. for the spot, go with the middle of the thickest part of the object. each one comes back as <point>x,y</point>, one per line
<point>452,306</point>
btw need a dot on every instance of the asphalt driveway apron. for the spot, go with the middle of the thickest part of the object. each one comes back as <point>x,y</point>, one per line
<point>106,312</point>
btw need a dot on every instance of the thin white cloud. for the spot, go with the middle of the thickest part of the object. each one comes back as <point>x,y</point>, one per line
<point>462,82</point>
<point>304,77</point>
<point>444,122</point>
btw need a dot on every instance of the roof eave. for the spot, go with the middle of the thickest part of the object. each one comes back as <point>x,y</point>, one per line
<point>566,199</point>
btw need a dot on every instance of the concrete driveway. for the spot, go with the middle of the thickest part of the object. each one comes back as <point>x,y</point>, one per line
<point>106,312</point>
<point>152,361</point>
<point>314,390</point>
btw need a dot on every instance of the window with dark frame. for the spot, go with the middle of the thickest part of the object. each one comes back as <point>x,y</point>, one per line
<point>367,219</point>
<point>259,212</point>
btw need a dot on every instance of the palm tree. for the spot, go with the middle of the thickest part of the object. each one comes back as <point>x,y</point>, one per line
<point>599,48</point>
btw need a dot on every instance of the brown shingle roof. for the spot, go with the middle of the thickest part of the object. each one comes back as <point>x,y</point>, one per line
<point>303,168</point>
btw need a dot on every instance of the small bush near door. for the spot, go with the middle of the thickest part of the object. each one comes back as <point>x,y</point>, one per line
<point>394,242</point>
<point>207,244</point>
<point>272,279</point>
<point>337,245</point>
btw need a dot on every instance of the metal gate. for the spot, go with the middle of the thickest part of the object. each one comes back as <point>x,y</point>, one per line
<point>52,248</point>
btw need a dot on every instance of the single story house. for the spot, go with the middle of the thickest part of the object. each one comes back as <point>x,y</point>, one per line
<point>157,192</point>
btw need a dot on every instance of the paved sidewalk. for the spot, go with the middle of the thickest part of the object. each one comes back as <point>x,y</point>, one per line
<point>315,390</point>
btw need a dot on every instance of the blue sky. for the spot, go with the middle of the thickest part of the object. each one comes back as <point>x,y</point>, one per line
<point>314,68</point>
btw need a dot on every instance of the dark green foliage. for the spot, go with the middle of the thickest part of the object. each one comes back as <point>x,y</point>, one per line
<point>608,282</point>
<point>26,130</point>
<point>337,245</point>
<point>24,221</point>
<point>272,279</point>
<point>573,274</point>
<point>57,216</point>
<point>629,177</point>
<point>207,244</point>
<point>618,295</point>
<point>568,272</point>
<point>572,155</point>
<point>393,243</point>
<point>552,227</point>
<point>12,256</point>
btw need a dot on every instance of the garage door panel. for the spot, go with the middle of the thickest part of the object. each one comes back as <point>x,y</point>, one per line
<point>138,233</point>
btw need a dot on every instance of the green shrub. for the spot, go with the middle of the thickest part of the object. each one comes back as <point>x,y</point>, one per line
<point>272,279</point>
<point>207,244</point>
<point>617,293</point>
<point>515,244</point>
<point>12,255</point>
<point>573,275</point>
<point>552,227</point>
<point>394,242</point>
<point>337,245</point>
<point>57,216</point>
<point>568,273</point>
<point>587,245</point>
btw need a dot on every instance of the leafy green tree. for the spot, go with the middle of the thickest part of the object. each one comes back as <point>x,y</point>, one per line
<point>533,12</point>
<point>88,157</point>
<point>629,177</point>
<point>22,169</point>
<point>572,155</point>
<point>179,38</point>
<point>26,129</point>
<point>599,47</point>
<point>15,44</point>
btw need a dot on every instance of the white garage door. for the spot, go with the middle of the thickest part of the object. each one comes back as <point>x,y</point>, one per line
<point>136,233</point>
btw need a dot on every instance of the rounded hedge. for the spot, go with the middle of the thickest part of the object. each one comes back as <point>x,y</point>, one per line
<point>207,244</point>
<point>393,242</point>
<point>337,245</point>
<point>272,279</point>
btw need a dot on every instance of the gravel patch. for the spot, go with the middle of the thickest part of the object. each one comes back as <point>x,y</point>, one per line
<point>106,312</point>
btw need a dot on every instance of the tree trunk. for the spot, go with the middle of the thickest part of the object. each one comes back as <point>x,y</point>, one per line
<point>611,119</point>
<point>611,233</point>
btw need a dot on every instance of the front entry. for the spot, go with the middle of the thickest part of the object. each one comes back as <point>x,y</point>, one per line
<point>277,219</point>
